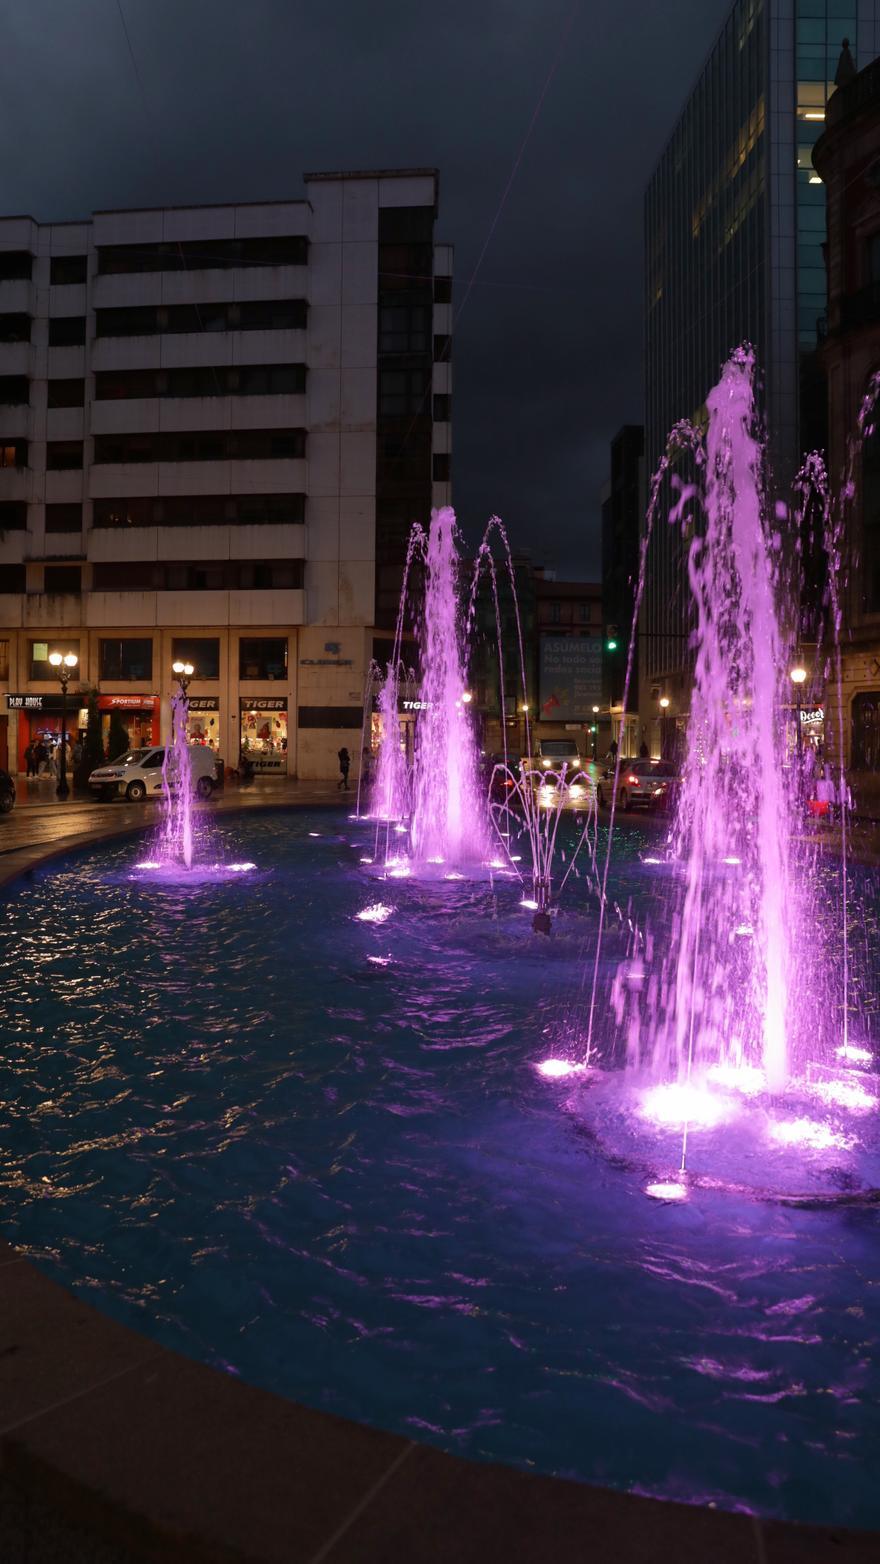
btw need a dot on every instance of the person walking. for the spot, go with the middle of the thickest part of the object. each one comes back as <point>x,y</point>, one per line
<point>30,759</point>
<point>344,767</point>
<point>644,752</point>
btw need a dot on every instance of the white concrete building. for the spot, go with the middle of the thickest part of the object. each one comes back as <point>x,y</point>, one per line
<point>216,425</point>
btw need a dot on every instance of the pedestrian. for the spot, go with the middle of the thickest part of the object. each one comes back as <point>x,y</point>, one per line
<point>77,754</point>
<point>344,767</point>
<point>41,757</point>
<point>644,752</point>
<point>30,759</point>
<point>612,751</point>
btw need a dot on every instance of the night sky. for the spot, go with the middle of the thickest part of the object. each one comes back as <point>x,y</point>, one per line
<point>231,100</point>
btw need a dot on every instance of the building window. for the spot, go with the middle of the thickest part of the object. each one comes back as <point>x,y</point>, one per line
<point>15,265</point>
<point>64,518</point>
<point>63,455</point>
<point>12,579</point>
<point>14,390</point>
<point>442,290</point>
<point>4,659</point>
<point>203,254</point>
<point>403,393</point>
<point>197,510</point>
<point>13,454</point>
<point>201,381</point>
<point>202,446</point>
<point>202,652</point>
<point>40,652</point>
<point>584,613</point>
<point>866,731</point>
<point>126,576</point>
<point>442,349</point>
<point>442,409</point>
<point>67,331</point>
<point>67,269</point>
<point>13,517</point>
<point>66,393</point>
<point>440,467</point>
<point>404,323</point>
<point>15,328</point>
<point>63,579</point>
<point>126,659</point>
<point>250,315</point>
<point>262,659</point>
<point>555,613</point>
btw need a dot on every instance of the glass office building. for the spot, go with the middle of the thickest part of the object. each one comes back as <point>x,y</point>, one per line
<point>734,228</point>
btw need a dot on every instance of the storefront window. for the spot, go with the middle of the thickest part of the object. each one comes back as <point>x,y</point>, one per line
<point>264,734</point>
<point>203,723</point>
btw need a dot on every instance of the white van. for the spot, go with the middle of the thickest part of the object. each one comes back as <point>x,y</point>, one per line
<point>138,774</point>
<point>558,753</point>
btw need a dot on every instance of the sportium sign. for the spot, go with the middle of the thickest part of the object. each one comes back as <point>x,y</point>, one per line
<point>569,677</point>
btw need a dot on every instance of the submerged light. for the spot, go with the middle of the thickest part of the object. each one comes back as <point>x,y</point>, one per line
<point>148,863</point>
<point>806,1132</point>
<point>667,1191</point>
<point>848,1051</point>
<point>241,868</point>
<point>676,1104</point>
<point>557,1069</point>
<point>375,913</point>
<point>845,1094</point>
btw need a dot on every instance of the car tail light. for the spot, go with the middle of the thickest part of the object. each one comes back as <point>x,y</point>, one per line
<point>633,780</point>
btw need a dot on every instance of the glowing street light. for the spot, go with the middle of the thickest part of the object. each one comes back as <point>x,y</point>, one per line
<point>664,702</point>
<point>183,673</point>
<point>466,697</point>
<point>798,677</point>
<point>64,665</point>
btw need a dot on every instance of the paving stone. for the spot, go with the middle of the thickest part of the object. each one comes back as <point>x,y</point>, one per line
<point>818,1545</point>
<point>53,1347</point>
<point>211,1468</point>
<point>436,1509</point>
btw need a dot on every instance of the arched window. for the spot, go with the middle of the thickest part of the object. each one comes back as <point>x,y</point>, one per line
<point>866,731</point>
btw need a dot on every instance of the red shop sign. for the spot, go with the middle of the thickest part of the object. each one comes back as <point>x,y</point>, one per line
<point>127,702</point>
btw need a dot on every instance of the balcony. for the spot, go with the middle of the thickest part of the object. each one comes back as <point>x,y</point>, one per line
<point>114,290</point>
<point>145,415</point>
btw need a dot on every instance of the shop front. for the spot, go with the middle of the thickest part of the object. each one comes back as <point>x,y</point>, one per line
<point>203,722</point>
<point>138,714</point>
<point>37,721</point>
<point>264,733</point>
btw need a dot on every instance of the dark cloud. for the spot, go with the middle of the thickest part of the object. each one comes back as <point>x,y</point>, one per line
<point>240,96</point>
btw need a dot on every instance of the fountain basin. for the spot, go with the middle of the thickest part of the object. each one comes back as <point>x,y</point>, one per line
<point>358,1191</point>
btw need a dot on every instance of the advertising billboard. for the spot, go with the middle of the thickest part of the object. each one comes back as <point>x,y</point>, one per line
<point>569,677</point>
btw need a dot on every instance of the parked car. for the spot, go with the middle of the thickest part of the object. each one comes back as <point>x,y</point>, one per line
<point>553,754</point>
<point>138,774</point>
<point>641,784</point>
<point>7,793</point>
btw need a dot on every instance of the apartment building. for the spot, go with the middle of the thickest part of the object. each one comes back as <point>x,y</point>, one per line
<point>216,427</point>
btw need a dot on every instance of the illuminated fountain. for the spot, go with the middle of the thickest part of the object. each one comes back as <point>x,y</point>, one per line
<point>177,776</point>
<point>732,1078</point>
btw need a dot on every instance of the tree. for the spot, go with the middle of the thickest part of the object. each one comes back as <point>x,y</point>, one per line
<point>93,749</point>
<point>119,741</point>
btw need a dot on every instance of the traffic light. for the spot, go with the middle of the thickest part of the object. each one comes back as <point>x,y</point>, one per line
<point>611,642</point>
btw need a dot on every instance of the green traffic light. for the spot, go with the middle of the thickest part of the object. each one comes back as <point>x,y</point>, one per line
<point>611,645</point>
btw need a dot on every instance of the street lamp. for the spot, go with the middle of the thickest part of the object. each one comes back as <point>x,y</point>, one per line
<point>466,697</point>
<point>664,702</point>
<point>183,672</point>
<point>798,677</point>
<point>64,666</point>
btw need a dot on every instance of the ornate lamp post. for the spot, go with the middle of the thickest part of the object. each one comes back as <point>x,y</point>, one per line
<point>798,677</point>
<point>64,665</point>
<point>183,673</point>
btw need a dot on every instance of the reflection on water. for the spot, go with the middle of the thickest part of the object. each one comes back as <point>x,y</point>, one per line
<point>314,1150</point>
